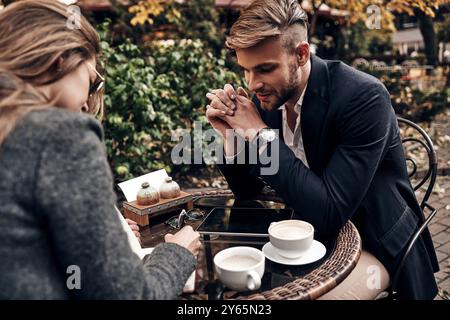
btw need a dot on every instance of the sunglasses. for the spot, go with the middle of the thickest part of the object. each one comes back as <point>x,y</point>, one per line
<point>98,83</point>
<point>177,222</point>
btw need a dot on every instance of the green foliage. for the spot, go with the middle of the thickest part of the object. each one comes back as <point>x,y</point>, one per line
<point>149,96</point>
<point>359,41</point>
<point>200,20</point>
<point>193,20</point>
<point>443,29</point>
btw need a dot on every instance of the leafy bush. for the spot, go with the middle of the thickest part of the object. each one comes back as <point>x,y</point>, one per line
<point>149,96</point>
<point>359,41</point>
<point>147,20</point>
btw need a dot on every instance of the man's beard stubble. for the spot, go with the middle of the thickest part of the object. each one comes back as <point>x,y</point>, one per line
<point>287,92</point>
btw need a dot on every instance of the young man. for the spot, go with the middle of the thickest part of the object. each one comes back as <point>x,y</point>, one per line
<point>337,142</point>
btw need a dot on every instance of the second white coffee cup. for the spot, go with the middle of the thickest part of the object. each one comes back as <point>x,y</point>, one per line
<point>291,238</point>
<point>240,268</point>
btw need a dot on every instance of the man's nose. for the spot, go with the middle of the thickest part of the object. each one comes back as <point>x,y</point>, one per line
<point>254,83</point>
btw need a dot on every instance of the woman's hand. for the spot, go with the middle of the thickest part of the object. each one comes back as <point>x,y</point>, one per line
<point>135,228</point>
<point>187,238</point>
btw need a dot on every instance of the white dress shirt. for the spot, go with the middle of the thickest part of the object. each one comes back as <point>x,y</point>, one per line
<point>294,139</point>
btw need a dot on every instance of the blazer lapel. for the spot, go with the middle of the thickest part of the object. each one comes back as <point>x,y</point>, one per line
<point>274,120</point>
<point>313,113</point>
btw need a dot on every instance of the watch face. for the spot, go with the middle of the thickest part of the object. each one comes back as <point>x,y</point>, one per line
<point>268,134</point>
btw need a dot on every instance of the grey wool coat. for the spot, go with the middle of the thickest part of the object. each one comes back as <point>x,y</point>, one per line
<point>57,219</point>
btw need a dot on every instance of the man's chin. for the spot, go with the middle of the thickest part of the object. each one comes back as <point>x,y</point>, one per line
<point>267,106</point>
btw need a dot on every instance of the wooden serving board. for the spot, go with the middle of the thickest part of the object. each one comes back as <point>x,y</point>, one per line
<point>141,214</point>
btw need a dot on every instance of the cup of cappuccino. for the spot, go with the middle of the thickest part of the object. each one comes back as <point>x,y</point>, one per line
<point>240,268</point>
<point>291,238</point>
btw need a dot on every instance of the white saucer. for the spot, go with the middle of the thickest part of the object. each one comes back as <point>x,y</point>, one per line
<point>316,252</point>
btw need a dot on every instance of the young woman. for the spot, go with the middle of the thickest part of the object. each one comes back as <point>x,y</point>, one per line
<point>60,237</point>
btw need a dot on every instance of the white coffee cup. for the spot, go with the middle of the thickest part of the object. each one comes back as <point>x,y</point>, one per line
<point>240,268</point>
<point>291,238</point>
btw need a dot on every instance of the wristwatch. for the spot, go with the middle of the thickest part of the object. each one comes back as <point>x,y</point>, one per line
<point>266,135</point>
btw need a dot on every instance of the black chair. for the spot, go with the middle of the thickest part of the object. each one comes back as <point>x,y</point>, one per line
<point>419,178</point>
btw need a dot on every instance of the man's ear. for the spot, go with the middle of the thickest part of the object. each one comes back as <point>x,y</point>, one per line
<point>302,53</point>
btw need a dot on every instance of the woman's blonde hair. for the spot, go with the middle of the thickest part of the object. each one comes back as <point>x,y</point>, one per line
<point>34,36</point>
<point>264,19</point>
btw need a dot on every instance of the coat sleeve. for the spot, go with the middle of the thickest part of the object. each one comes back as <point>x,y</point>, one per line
<point>76,204</point>
<point>243,184</point>
<point>328,201</point>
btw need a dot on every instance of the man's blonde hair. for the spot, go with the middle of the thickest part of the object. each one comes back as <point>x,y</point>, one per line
<point>264,19</point>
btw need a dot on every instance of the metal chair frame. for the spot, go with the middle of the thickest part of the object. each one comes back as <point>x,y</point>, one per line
<point>429,175</point>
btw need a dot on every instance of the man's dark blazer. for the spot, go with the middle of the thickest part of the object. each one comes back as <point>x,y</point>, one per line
<point>356,171</point>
